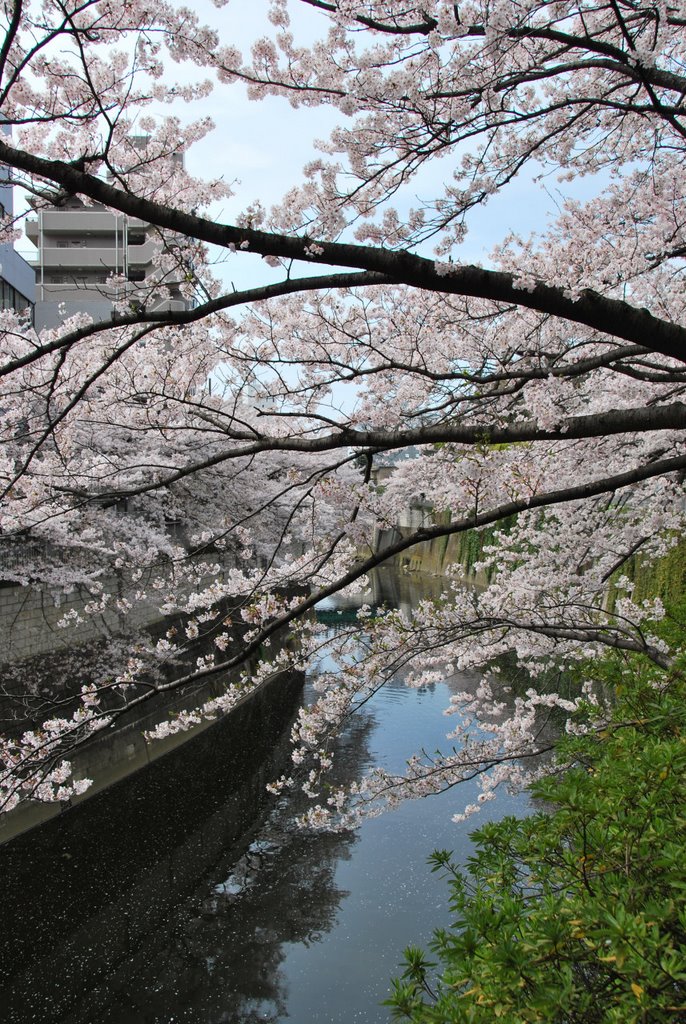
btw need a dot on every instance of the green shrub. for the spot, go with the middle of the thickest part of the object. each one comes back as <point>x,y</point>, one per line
<point>576,915</point>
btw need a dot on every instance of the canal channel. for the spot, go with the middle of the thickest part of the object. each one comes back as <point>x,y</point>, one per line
<point>142,910</point>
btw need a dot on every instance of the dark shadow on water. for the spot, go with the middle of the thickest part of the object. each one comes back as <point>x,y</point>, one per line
<point>81,895</point>
<point>218,955</point>
<point>184,894</point>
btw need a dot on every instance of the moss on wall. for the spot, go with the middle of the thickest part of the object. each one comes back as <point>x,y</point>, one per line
<point>664,578</point>
<point>465,549</point>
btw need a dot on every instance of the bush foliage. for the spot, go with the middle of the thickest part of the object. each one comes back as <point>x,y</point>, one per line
<point>577,914</point>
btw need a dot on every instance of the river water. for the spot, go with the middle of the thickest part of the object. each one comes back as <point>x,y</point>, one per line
<point>286,925</point>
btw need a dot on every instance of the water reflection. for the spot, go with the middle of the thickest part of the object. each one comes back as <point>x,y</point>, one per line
<point>93,891</point>
<point>220,955</point>
<point>205,930</point>
<point>393,588</point>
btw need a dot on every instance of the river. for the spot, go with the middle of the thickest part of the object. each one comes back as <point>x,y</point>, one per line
<point>283,925</point>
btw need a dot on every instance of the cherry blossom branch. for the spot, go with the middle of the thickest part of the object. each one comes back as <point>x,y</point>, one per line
<point>578,427</point>
<point>504,511</point>
<point>610,316</point>
<point>299,608</point>
<point>180,318</point>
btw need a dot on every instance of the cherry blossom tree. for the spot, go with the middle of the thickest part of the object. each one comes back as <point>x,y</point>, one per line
<point>543,388</point>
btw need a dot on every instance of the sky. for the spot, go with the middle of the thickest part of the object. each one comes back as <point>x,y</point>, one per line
<point>262,147</point>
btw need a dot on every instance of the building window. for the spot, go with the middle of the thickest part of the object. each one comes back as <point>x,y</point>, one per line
<point>10,298</point>
<point>136,238</point>
<point>136,275</point>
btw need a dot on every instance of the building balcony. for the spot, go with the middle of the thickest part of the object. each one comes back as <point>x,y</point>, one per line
<point>89,221</point>
<point>94,257</point>
<point>170,306</point>
<point>141,255</point>
<point>81,257</point>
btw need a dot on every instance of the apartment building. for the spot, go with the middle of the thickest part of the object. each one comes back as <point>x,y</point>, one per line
<point>91,260</point>
<point>17,278</point>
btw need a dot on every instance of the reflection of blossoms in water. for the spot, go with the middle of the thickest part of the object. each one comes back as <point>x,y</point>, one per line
<point>229,942</point>
<point>501,741</point>
<point>223,949</point>
<point>267,916</point>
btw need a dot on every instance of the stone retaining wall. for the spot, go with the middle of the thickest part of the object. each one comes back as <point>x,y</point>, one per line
<point>30,616</point>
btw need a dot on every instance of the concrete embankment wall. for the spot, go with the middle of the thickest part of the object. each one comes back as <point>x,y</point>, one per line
<point>80,892</point>
<point>30,617</point>
<point>664,577</point>
<point>111,756</point>
<point>433,557</point>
